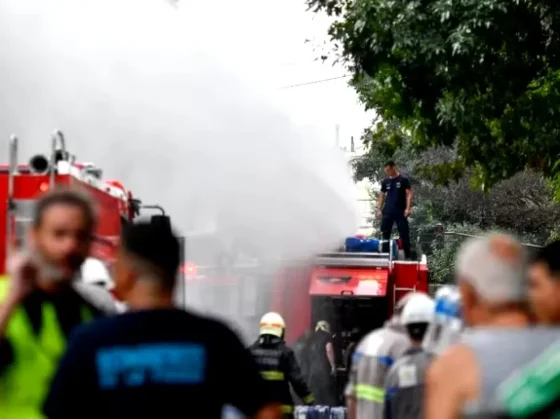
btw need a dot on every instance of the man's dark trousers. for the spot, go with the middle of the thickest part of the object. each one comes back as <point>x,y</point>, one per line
<point>387,221</point>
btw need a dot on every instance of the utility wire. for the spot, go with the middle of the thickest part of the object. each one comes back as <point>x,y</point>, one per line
<point>314,82</point>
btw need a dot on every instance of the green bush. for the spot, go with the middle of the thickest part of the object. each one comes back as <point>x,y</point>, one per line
<point>441,259</point>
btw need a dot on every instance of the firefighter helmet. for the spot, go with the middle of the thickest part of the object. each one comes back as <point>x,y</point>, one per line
<point>272,324</point>
<point>419,308</point>
<point>404,300</point>
<point>324,326</point>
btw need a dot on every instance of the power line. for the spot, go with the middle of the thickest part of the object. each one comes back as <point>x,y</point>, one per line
<point>314,82</point>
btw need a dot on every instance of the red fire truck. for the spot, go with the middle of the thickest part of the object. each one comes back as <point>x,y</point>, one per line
<point>350,290</point>
<point>21,184</point>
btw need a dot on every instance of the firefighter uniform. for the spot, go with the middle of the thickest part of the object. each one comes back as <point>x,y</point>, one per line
<point>29,353</point>
<point>404,387</point>
<point>278,366</point>
<point>373,357</point>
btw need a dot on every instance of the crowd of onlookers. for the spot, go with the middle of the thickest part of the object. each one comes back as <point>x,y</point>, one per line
<point>489,348</point>
<point>489,345</point>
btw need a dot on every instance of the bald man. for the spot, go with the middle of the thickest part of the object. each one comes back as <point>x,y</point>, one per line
<point>491,275</point>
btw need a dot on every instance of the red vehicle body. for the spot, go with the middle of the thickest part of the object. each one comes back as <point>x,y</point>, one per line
<point>22,184</point>
<point>349,290</point>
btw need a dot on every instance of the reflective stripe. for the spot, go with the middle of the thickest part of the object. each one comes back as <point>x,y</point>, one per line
<point>286,408</point>
<point>273,375</point>
<point>278,325</point>
<point>370,393</point>
<point>309,399</point>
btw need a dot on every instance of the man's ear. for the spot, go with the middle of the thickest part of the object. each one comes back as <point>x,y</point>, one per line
<point>469,301</point>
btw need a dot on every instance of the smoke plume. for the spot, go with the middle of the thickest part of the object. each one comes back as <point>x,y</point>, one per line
<point>138,88</point>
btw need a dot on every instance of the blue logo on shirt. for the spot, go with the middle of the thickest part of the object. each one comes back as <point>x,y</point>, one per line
<point>136,366</point>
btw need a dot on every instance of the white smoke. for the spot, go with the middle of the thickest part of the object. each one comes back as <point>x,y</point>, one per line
<point>135,87</point>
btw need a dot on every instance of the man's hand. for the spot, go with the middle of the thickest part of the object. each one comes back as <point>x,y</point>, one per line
<point>22,274</point>
<point>379,214</point>
<point>407,212</point>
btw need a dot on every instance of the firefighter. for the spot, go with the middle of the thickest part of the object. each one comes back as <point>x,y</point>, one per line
<point>404,398</point>
<point>375,354</point>
<point>395,206</point>
<point>303,357</point>
<point>38,306</point>
<point>447,326</point>
<point>278,365</point>
<point>322,369</point>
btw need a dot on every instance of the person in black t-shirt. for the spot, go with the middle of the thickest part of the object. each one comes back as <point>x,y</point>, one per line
<point>395,206</point>
<point>155,361</point>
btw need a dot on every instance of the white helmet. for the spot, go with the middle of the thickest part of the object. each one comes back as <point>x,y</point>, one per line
<point>272,324</point>
<point>94,272</point>
<point>404,300</point>
<point>420,308</point>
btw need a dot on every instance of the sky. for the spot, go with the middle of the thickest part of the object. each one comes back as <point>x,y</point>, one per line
<point>267,38</point>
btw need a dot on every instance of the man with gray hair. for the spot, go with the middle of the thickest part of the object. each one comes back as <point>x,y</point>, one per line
<point>491,275</point>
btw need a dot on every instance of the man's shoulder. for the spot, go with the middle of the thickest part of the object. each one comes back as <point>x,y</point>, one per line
<point>378,339</point>
<point>408,359</point>
<point>370,341</point>
<point>286,350</point>
<point>403,180</point>
<point>392,374</point>
<point>145,325</point>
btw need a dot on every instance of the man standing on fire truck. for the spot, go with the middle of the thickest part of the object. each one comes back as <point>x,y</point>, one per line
<point>395,206</point>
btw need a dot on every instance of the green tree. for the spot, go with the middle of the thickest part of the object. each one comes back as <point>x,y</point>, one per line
<point>522,203</point>
<point>481,77</point>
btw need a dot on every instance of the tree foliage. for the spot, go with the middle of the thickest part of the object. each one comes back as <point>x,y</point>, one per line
<point>481,77</point>
<point>522,203</point>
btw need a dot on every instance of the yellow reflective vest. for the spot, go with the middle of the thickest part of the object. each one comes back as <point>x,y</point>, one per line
<point>24,383</point>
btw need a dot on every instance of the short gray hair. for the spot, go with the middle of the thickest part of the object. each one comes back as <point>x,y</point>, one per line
<point>495,265</point>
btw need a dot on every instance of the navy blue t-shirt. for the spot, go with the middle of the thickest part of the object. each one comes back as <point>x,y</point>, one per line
<point>154,364</point>
<point>395,194</point>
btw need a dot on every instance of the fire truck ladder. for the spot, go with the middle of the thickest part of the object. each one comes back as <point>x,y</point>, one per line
<point>19,213</point>
<point>58,153</point>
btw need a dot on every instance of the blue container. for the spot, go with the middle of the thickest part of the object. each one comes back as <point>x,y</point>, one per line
<point>353,244</point>
<point>338,413</point>
<point>395,249</point>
